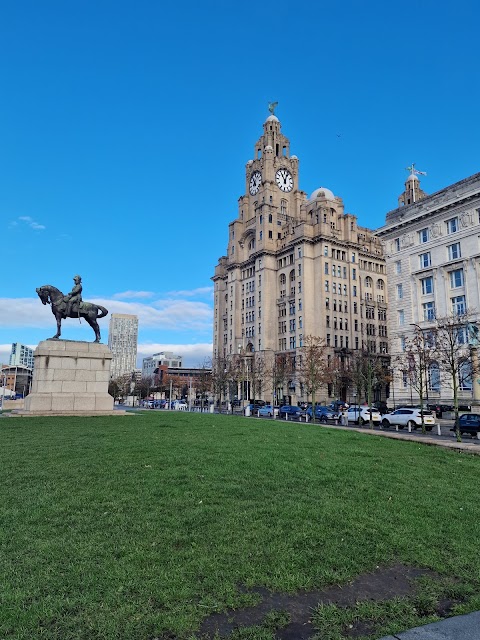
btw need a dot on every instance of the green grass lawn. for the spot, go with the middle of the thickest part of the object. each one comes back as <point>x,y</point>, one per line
<point>132,527</point>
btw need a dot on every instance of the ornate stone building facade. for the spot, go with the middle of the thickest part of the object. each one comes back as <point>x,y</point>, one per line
<point>432,246</point>
<point>296,266</point>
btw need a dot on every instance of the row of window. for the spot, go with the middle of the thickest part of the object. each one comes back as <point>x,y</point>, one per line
<point>451,226</point>
<point>454,252</point>
<point>458,307</point>
<point>465,378</point>
<point>456,278</point>
<point>337,254</point>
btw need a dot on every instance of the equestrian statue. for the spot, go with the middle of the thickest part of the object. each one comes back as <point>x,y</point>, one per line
<point>71,306</point>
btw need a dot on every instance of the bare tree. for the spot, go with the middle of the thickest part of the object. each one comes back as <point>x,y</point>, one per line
<point>455,350</point>
<point>203,382</point>
<point>312,367</point>
<point>278,367</point>
<point>367,373</point>
<point>144,386</point>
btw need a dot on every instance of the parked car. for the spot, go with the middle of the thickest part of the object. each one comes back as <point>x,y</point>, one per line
<point>361,415</point>
<point>178,404</point>
<point>336,404</point>
<point>254,408</point>
<point>290,411</point>
<point>324,414</point>
<point>406,416</point>
<point>268,410</point>
<point>468,423</point>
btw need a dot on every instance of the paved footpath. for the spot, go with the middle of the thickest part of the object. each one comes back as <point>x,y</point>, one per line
<point>468,444</point>
<point>465,627</point>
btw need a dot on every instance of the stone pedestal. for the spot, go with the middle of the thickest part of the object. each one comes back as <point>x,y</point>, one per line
<point>70,378</point>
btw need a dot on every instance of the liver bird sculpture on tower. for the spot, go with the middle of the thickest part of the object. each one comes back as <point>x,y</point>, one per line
<point>271,107</point>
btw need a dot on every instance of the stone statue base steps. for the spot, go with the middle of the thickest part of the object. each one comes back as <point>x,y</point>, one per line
<point>70,378</point>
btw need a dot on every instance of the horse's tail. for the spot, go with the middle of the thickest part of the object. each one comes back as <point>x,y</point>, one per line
<point>103,311</point>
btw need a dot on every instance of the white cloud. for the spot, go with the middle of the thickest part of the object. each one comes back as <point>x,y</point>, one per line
<point>5,350</point>
<point>29,221</point>
<point>33,224</point>
<point>132,294</point>
<point>191,293</point>
<point>178,315</point>
<point>24,312</point>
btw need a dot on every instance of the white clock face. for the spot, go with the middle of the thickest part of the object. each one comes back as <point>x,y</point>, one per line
<point>255,182</point>
<point>284,180</point>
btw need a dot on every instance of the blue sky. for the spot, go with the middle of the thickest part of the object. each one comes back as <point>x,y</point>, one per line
<point>125,128</point>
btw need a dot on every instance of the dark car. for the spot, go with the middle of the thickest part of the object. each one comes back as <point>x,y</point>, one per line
<point>290,411</point>
<point>468,423</point>
<point>324,414</point>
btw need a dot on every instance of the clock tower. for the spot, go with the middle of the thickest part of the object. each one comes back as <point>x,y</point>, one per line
<point>295,266</point>
<point>267,214</point>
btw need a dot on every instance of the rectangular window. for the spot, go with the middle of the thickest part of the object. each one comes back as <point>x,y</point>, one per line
<point>353,257</point>
<point>397,244</point>
<point>454,251</point>
<point>452,225</point>
<point>398,267</point>
<point>354,274</point>
<point>427,285</point>
<point>327,286</point>
<point>428,311</point>
<point>425,260</point>
<point>456,278</point>
<point>423,236</point>
<point>326,268</point>
<point>401,317</point>
<point>354,291</point>
<point>459,305</point>
<point>334,270</point>
<point>325,250</point>
<point>399,291</point>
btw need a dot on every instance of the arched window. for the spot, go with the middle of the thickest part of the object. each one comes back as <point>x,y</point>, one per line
<point>465,376</point>
<point>434,377</point>
<point>380,285</point>
<point>292,275</point>
<point>283,207</point>
<point>368,282</point>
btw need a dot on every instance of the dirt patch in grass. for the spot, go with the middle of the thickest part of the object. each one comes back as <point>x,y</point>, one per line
<point>382,584</point>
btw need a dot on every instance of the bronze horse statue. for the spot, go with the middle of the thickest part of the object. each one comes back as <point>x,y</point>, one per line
<point>88,310</point>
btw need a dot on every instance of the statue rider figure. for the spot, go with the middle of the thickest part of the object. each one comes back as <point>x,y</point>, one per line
<point>75,296</point>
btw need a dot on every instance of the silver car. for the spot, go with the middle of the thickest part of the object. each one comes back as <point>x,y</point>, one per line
<point>361,415</point>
